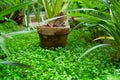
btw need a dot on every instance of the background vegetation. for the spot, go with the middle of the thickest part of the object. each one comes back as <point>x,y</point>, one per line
<point>86,18</point>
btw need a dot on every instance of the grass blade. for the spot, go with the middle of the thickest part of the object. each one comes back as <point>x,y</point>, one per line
<point>91,49</point>
<point>14,64</point>
<point>14,8</point>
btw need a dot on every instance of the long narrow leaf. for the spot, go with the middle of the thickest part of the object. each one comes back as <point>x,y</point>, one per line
<point>47,8</point>
<point>82,9</point>
<point>2,45</point>
<point>15,64</point>
<point>51,19</point>
<point>19,32</point>
<point>91,49</point>
<point>14,8</point>
<point>104,37</point>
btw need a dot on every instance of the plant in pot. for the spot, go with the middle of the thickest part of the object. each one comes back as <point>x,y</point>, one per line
<point>53,33</point>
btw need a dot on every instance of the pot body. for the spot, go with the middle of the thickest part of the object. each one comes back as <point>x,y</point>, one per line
<point>52,36</point>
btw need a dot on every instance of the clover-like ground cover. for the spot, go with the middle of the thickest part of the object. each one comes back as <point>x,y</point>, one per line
<point>58,64</point>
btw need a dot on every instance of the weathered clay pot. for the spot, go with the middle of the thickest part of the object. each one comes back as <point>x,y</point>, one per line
<point>53,36</point>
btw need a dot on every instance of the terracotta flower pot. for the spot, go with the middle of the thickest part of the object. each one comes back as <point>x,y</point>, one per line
<point>52,36</point>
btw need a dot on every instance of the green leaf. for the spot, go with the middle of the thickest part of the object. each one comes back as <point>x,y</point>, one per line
<point>91,49</point>
<point>15,64</point>
<point>51,19</point>
<point>14,8</point>
<point>19,32</point>
<point>2,45</point>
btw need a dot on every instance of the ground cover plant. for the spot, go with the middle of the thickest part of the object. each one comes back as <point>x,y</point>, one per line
<point>58,64</point>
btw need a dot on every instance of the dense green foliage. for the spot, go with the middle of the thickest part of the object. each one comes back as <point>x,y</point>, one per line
<point>5,27</point>
<point>61,63</point>
<point>96,4</point>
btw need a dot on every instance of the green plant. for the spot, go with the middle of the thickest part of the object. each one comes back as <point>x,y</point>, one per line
<point>7,11</point>
<point>55,24</point>
<point>34,8</point>
<point>111,23</point>
<point>3,36</point>
<point>55,8</point>
<point>4,49</point>
<point>61,63</point>
<point>14,64</point>
<point>22,16</point>
<point>96,4</point>
<point>37,9</point>
<point>17,15</point>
